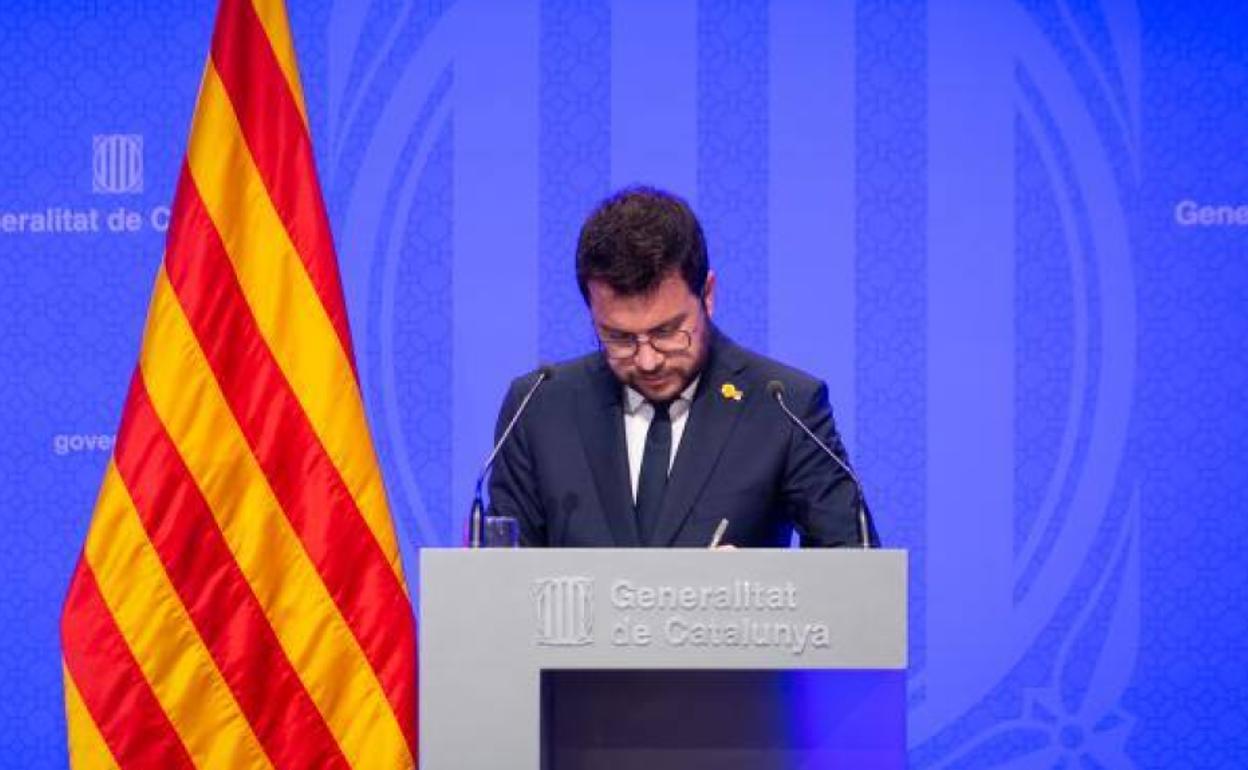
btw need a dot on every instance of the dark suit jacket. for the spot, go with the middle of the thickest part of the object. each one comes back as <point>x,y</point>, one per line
<point>564,471</point>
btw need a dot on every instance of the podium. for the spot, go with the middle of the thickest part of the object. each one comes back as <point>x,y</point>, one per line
<point>645,658</point>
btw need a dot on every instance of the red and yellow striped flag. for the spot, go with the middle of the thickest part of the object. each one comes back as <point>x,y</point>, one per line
<point>239,602</point>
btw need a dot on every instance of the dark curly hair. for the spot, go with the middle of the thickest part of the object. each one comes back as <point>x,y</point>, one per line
<point>635,238</point>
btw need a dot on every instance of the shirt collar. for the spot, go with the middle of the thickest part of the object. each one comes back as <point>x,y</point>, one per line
<point>634,400</point>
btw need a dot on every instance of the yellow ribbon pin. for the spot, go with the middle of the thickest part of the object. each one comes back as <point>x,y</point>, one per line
<point>728,390</point>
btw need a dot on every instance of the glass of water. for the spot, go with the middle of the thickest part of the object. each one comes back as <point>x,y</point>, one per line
<point>500,532</point>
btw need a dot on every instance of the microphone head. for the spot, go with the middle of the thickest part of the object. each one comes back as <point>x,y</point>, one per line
<point>545,372</point>
<point>775,388</point>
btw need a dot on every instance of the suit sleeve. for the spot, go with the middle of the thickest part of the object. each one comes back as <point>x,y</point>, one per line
<point>513,481</point>
<point>821,497</point>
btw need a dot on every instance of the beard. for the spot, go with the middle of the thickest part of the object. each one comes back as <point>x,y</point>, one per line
<point>668,381</point>
<point>664,386</point>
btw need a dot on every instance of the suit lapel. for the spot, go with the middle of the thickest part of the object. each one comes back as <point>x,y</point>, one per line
<point>711,420</point>
<point>601,422</point>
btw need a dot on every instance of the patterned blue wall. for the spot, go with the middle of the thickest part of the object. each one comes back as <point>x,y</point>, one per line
<point>980,223</point>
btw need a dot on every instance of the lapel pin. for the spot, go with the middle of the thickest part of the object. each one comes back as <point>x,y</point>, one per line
<point>729,391</point>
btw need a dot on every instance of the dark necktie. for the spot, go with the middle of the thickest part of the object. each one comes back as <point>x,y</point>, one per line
<point>653,477</point>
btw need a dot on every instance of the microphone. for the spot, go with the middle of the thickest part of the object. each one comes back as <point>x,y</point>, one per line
<point>775,389</point>
<point>477,516</point>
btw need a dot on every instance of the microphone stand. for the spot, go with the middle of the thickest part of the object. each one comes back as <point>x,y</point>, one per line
<point>476,517</point>
<point>776,389</point>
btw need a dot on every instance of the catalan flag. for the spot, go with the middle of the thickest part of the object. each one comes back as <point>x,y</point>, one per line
<point>239,602</point>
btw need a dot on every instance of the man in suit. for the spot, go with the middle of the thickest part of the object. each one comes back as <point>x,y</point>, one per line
<point>669,427</point>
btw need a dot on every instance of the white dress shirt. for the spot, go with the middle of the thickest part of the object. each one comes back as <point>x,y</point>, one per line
<point>638,412</point>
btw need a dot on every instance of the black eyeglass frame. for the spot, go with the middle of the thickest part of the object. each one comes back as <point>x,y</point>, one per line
<point>636,340</point>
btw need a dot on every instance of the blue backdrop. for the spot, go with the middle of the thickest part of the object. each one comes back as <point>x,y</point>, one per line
<point>1013,237</point>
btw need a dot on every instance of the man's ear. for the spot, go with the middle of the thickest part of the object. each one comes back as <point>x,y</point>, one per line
<point>708,294</point>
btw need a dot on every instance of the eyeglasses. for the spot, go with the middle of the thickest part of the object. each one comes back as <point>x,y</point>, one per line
<point>624,346</point>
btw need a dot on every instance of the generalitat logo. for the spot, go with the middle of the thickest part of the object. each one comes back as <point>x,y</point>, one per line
<point>565,611</point>
<point>117,164</point>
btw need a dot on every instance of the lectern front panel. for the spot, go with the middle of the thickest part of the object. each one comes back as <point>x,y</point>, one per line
<point>493,621</point>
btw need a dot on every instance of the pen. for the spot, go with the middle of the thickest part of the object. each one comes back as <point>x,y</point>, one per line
<point>719,533</point>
